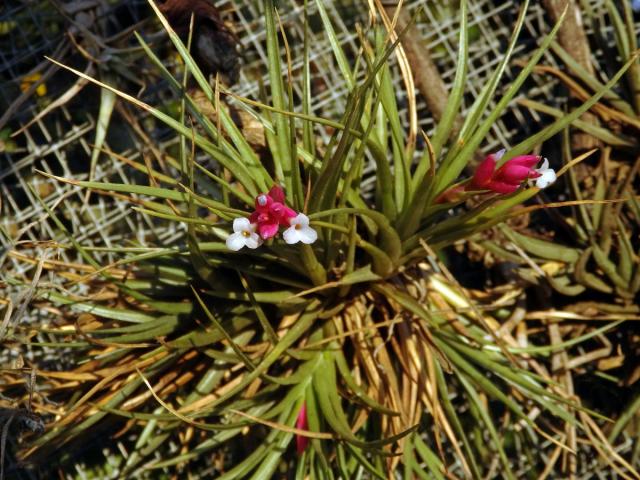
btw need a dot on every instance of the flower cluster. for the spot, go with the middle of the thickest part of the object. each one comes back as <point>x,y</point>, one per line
<point>271,213</point>
<point>509,177</point>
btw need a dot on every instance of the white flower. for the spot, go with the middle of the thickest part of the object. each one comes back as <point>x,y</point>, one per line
<point>244,235</point>
<point>547,175</point>
<point>300,231</point>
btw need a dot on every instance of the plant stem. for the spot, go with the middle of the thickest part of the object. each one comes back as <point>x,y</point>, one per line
<point>316,271</point>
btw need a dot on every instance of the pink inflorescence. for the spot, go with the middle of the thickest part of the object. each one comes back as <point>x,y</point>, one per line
<point>509,177</point>
<point>271,213</point>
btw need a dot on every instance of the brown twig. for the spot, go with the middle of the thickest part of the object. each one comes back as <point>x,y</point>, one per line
<point>573,39</point>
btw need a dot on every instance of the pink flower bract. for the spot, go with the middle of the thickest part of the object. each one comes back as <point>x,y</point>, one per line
<point>507,178</point>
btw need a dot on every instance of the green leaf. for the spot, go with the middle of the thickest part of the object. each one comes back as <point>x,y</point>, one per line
<point>587,278</point>
<point>469,462</point>
<point>421,184</point>
<point>131,316</point>
<point>601,133</point>
<point>493,434</point>
<point>343,368</point>
<point>390,241</point>
<point>293,334</point>
<point>282,154</point>
<point>246,153</point>
<point>608,267</point>
<point>325,390</point>
<point>308,141</point>
<point>336,47</point>
<point>527,145</point>
<point>618,102</point>
<point>473,131</point>
<point>626,253</point>
<point>542,248</point>
<point>429,457</point>
<point>239,169</point>
<point>213,319</point>
<point>386,91</point>
<point>443,130</point>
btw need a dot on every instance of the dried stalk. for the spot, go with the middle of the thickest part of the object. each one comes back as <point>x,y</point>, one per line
<point>425,72</point>
<point>574,40</point>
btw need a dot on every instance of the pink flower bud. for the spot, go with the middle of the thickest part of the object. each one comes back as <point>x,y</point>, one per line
<point>301,424</point>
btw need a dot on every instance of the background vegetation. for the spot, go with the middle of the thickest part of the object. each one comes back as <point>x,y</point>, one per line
<point>427,335</point>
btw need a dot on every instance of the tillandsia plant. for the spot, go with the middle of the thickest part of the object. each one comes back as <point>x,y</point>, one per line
<point>303,306</point>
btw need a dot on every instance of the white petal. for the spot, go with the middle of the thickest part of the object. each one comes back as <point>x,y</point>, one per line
<point>241,224</point>
<point>499,154</point>
<point>307,235</point>
<point>301,219</point>
<point>291,235</point>
<point>544,166</point>
<point>236,241</point>
<point>253,241</point>
<point>546,178</point>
